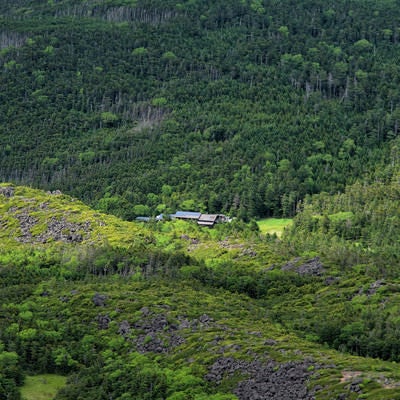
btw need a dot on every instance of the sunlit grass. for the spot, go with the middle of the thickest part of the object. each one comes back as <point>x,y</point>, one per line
<point>273,225</point>
<point>42,387</point>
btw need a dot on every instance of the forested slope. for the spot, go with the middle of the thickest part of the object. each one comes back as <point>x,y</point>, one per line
<point>248,107</point>
<point>137,107</point>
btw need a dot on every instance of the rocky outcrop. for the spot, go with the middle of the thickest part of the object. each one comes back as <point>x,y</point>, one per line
<point>55,192</point>
<point>124,328</point>
<point>265,381</point>
<point>26,222</point>
<point>373,287</point>
<point>64,231</point>
<point>99,300</point>
<point>354,386</point>
<point>157,334</point>
<point>58,229</point>
<point>7,191</point>
<point>311,267</point>
<point>103,321</point>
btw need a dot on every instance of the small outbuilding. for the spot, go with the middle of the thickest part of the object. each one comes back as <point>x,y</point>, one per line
<point>143,219</point>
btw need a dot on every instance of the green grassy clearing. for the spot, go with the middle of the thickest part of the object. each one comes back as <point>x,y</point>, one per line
<point>273,225</point>
<point>42,387</point>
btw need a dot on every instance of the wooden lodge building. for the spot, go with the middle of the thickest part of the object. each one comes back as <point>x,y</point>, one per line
<point>202,219</point>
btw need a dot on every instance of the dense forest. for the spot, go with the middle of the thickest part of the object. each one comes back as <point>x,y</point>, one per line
<point>115,109</point>
<point>243,107</point>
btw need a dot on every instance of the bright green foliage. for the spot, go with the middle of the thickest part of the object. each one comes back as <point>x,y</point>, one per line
<point>11,375</point>
<point>357,233</point>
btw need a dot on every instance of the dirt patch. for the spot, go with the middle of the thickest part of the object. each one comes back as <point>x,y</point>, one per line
<point>349,375</point>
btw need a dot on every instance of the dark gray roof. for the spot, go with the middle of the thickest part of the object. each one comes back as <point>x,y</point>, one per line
<point>208,217</point>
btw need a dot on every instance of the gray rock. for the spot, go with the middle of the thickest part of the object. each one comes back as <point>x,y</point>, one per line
<point>103,321</point>
<point>26,222</point>
<point>124,328</point>
<point>355,385</point>
<point>268,381</point>
<point>99,300</point>
<point>58,229</point>
<point>205,319</point>
<point>145,311</point>
<point>311,267</point>
<point>330,280</point>
<point>157,335</point>
<point>374,287</point>
<point>7,191</point>
<point>184,324</point>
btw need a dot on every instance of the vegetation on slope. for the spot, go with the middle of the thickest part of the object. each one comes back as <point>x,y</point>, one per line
<point>357,233</point>
<point>246,107</point>
<point>241,106</point>
<point>178,311</point>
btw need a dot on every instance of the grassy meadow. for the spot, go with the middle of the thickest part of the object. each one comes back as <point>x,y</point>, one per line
<point>42,387</point>
<point>273,225</point>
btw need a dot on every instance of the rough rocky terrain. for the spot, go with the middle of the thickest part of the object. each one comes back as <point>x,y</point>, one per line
<point>310,267</point>
<point>58,229</point>
<point>7,191</point>
<point>266,381</point>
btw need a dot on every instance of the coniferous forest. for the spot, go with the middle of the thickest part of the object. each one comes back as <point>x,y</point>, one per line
<point>257,109</point>
<point>225,106</point>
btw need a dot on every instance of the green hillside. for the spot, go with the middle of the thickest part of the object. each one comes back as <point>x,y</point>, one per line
<point>242,107</point>
<point>283,115</point>
<point>176,311</point>
<point>172,310</point>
